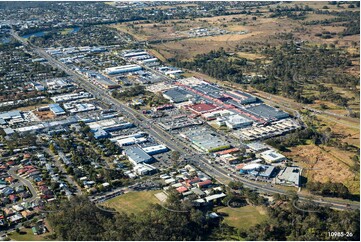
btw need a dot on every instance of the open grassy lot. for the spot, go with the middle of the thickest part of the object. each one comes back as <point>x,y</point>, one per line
<point>27,235</point>
<point>325,164</point>
<point>132,202</point>
<point>244,217</point>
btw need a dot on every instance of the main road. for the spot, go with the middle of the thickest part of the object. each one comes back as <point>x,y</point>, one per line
<point>172,142</point>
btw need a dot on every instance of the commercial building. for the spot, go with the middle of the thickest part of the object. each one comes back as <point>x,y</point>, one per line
<point>177,95</point>
<point>271,156</point>
<point>257,147</point>
<point>74,107</point>
<point>100,134</point>
<point>135,53</point>
<point>267,172</point>
<point>136,155</point>
<point>144,169</point>
<point>56,109</point>
<point>101,80</point>
<point>122,69</point>
<point>203,108</point>
<point>110,125</point>
<point>157,149</point>
<point>235,121</point>
<point>289,176</point>
<point>266,112</point>
<point>219,113</point>
<point>131,141</point>
<point>241,97</point>
<point>71,97</point>
<point>205,140</point>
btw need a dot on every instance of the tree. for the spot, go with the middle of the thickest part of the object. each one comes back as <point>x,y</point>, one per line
<point>175,155</point>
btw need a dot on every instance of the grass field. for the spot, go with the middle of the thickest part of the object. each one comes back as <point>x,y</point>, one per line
<point>325,164</point>
<point>27,236</point>
<point>244,217</point>
<point>132,202</point>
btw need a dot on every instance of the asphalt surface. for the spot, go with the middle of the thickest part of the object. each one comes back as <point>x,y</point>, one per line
<point>164,137</point>
<point>12,172</point>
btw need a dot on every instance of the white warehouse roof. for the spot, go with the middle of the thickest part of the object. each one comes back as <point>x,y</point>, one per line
<point>122,69</point>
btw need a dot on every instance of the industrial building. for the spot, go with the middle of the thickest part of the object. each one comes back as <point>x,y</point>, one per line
<point>151,61</point>
<point>122,69</point>
<point>271,156</point>
<point>289,176</point>
<point>56,109</point>
<point>136,155</point>
<point>205,140</point>
<point>11,117</point>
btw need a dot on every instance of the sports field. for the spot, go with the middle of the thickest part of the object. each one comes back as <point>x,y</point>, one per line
<point>132,202</point>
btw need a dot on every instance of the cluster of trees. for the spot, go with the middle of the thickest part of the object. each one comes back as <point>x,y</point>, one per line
<point>300,137</point>
<point>240,192</point>
<point>86,36</point>
<point>286,222</point>
<point>79,219</point>
<point>216,64</point>
<point>352,28</point>
<point>296,12</point>
<point>134,91</point>
<point>293,67</point>
<point>332,189</point>
<point>156,99</point>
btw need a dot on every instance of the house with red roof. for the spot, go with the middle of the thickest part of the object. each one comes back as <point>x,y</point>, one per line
<point>203,184</point>
<point>9,179</point>
<point>182,189</point>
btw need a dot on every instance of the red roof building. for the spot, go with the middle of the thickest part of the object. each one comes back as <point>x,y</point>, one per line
<point>229,151</point>
<point>240,166</point>
<point>182,189</point>
<point>203,108</point>
<point>204,183</point>
<point>192,181</point>
<point>9,179</point>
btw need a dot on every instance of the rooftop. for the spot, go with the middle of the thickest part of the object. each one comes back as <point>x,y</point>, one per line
<point>137,154</point>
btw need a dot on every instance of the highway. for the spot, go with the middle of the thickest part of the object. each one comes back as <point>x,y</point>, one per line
<point>164,137</point>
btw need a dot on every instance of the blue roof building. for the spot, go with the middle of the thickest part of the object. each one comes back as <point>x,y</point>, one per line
<point>56,109</point>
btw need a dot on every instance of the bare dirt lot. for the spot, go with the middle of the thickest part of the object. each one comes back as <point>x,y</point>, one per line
<point>44,115</point>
